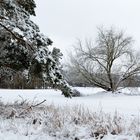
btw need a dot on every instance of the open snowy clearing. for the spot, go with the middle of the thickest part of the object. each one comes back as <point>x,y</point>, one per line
<point>94,99</point>
<point>61,118</point>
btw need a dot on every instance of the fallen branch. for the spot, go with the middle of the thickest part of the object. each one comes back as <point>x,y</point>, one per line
<point>38,104</point>
<point>30,108</point>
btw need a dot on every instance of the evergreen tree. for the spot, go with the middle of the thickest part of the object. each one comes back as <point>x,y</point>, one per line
<point>24,48</point>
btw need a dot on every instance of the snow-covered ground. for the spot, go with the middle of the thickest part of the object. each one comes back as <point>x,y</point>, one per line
<point>125,105</point>
<point>95,99</point>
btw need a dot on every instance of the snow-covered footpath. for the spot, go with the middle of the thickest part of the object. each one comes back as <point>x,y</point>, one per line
<point>96,114</point>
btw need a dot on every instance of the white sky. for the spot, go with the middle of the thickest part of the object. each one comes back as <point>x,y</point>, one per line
<point>65,20</point>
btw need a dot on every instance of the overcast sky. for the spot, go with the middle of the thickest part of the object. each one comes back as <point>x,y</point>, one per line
<point>65,20</point>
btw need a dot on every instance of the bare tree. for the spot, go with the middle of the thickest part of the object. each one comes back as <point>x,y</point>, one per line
<point>108,62</point>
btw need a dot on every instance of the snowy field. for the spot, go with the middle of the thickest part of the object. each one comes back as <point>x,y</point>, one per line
<point>125,105</point>
<point>95,99</point>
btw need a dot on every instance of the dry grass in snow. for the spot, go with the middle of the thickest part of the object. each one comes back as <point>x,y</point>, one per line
<point>35,121</point>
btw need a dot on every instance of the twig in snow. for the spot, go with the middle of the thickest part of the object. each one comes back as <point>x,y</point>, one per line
<point>30,107</point>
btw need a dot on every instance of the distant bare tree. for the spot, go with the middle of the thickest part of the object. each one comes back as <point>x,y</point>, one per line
<point>108,62</point>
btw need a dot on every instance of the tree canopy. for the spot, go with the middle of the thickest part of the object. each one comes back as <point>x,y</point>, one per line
<point>24,48</point>
<point>107,62</point>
